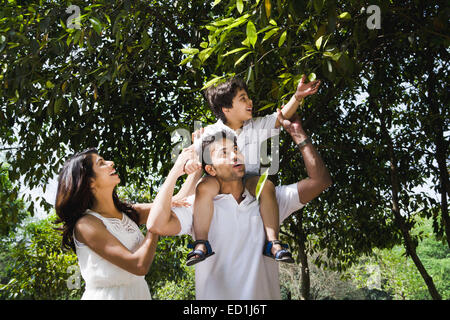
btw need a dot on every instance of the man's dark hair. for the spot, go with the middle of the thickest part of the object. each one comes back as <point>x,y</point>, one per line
<point>209,140</point>
<point>222,96</point>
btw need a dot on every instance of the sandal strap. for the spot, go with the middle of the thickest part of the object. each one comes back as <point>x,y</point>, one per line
<point>196,252</point>
<point>205,242</point>
<point>269,245</point>
<point>280,253</point>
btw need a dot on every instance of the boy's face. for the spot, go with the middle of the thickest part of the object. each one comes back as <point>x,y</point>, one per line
<point>242,108</point>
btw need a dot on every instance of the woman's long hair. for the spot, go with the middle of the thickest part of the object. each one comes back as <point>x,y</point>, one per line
<point>74,195</point>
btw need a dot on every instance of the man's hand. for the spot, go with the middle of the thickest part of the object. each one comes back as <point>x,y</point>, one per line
<point>293,126</point>
<point>306,89</point>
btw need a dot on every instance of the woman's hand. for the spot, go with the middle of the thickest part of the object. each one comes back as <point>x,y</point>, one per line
<point>187,162</point>
<point>180,203</point>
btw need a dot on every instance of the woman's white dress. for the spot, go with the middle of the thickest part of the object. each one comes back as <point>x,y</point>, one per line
<point>104,280</point>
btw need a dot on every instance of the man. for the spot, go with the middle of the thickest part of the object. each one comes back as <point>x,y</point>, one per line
<point>238,270</point>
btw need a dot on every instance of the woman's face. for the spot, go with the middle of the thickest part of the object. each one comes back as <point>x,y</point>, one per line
<point>105,174</point>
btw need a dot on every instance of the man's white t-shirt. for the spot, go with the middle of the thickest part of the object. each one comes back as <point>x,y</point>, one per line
<point>249,138</point>
<point>238,270</point>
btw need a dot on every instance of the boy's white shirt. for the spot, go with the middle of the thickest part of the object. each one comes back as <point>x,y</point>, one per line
<point>249,138</point>
<point>238,270</point>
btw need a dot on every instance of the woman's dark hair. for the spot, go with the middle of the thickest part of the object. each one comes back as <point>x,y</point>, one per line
<point>74,194</point>
<point>222,96</point>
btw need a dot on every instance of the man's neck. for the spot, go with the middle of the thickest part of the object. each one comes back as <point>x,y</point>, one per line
<point>235,188</point>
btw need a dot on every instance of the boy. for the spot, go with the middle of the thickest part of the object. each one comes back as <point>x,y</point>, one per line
<point>230,103</point>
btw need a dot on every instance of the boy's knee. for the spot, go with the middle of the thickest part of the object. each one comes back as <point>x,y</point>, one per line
<point>208,185</point>
<point>268,187</point>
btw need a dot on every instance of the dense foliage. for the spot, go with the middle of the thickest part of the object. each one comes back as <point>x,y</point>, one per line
<point>133,71</point>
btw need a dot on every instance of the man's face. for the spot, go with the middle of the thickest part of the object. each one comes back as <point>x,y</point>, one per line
<point>227,160</point>
<point>242,107</point>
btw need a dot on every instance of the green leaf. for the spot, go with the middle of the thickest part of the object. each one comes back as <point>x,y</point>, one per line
<point>242,58</point>
<point>124,89</point>
<point>270,34</point>
<point>190,50</point>
<point>186,60</point>
<point>216,2</point>
<point>240,6</point>
<point>282,38</point>
<point>211,82</point>
<point>96,25</point>
<point>345,16</point>
<point>267,106</point>
<point>205,54</point>
<point>251,33</point>
<point>262,180</point>
<point>49,84</point>
<point>234,51</point>
<point>319,42</point>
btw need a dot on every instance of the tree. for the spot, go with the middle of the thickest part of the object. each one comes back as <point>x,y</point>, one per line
<point>133,72</point>
<point>114,84</point>
<point>334,41</point>
<point>12,207</point>
<point>36,267</point>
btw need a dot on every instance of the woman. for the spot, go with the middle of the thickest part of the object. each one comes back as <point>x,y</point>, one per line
<point>113,254</point>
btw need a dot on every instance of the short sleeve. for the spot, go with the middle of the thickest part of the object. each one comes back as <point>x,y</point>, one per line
<point>265,126</point>
<point>184,215</point>
<point>288,200</point>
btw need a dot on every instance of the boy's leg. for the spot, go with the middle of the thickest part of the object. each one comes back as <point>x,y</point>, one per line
<point>268,207</point>
<point>206,190</point>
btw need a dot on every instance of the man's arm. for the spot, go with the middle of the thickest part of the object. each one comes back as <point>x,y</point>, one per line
<point>303,90</point>
<point>318,176</point>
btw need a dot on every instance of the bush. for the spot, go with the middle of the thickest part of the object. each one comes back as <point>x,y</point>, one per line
<point>34,265</point>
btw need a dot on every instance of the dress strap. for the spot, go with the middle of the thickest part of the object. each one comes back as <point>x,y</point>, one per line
<point>95,214</point>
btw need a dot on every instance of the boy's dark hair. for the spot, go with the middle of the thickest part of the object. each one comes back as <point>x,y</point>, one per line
<point>209,140</point>
<point>222,96</point>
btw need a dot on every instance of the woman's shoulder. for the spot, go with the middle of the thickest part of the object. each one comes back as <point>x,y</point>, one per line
<point>87,224</point>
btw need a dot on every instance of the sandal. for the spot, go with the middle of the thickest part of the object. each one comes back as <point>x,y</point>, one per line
<point>196,256</point>
<point>282,255</point>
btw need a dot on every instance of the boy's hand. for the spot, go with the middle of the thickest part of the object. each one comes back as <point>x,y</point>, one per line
<point>306,89</point>
<point>197,134</point>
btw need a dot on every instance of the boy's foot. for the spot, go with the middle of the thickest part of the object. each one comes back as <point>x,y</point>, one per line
<point>202,250</point>
<point>277,250</point>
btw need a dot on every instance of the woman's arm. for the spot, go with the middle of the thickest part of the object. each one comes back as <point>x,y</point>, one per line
<point>188,187</point>
<point>162,220</point>
<point>92,232</point>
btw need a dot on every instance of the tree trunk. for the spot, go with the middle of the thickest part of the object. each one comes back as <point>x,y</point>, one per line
<point>399,219</point>
<point>301,242</point>
<point>437,132</point>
